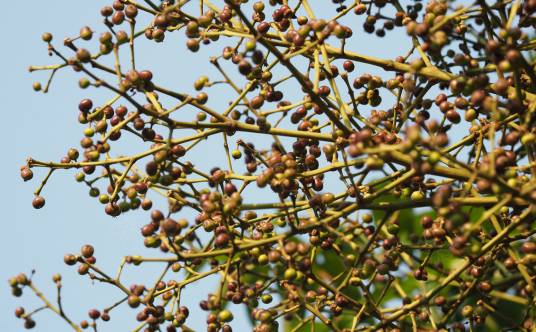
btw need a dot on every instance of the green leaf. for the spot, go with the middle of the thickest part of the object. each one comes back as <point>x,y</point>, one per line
<point>330,265</point>
<point>307,327</point>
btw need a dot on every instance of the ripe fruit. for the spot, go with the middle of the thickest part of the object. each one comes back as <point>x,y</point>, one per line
<point>131,11</point>
<point>29,323</point>
<point>85,105</point>
<point>193,45</point>
<point>19,312</point>
<point>94,314</point>
<point>529,247</point>
<point>26,173</point>
<point>38,202</point>
<point>146,75</point>
<point>70,259</point>
<point>87,251</point>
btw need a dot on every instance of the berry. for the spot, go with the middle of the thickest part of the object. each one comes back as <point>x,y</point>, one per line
<point>87,251</point>
<point>225,316</point>
<point>38,202</point>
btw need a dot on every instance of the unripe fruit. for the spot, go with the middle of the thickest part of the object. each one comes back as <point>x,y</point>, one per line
<point>56,278</point>
<point>46,37</point>
<point>367,218</point>
<point>266,298</point>
<point>83,55</point>
<point>86,33</point>
<point>290,274</point>
<point>89,132</point>
<point>133,301</point>
<point>328,198</point>
<point>262,259</point>
<point>467,311</point>
<point>225,316</point>
<point>374,163</point>
<point>417,196</point>
<point>528,139</point>
<point>470,115</point>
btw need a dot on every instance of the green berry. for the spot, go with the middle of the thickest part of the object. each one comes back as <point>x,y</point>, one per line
<point>467,311</point>
<point>262,259</point>
<point>290,274</point>
<point>417,196</point>
<point>83,83</point>
<point>104,199</point>
<point>266,298</point>
<point>79,177</point>
<point>86,33</point>
<point>89,132</point>
<point>367,218</point>
<point>236,154</point>
<point>225,316</point>
<point>94,192</point>
<point>528,139</point>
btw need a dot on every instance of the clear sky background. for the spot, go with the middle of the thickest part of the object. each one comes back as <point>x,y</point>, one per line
<point>44,127</point>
